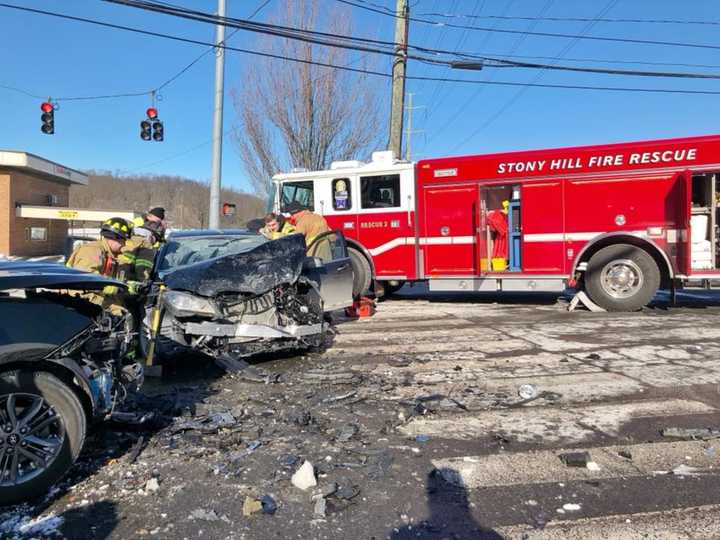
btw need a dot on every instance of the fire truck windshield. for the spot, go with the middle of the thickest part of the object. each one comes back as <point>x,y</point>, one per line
<point>301,192</point>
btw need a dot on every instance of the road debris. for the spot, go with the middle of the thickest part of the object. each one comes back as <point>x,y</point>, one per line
<point>152,485</point>
<point>571,507</point>
<point>251,506</point>
<point>691,433</point>
<point>204,515</point>
<point>341,397</point>
<point>347,432</point>
<point>304,477</point>
<point>320,506</point>
<point>269,506</point>
<point>575,459</point>
<point>686,470</point>
<point>527,391</point>
<point>625,454</point>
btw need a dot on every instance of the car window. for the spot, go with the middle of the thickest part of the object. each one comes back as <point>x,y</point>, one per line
<point>381,191</point>
<point>301,192</point>
<point>328,247</point>
<point>184,251</point>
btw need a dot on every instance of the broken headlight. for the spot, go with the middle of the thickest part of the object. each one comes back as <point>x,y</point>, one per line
<point>187,305</point>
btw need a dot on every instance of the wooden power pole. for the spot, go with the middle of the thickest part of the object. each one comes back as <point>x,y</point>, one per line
<point>397,106</point>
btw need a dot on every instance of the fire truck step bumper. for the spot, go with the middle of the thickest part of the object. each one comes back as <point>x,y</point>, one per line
<point>499,284</point>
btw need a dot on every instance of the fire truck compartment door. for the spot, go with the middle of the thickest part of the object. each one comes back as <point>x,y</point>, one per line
<point>543,223</point>
<point>681,194</point>
<point>449,238</point>
<point>335,274</point>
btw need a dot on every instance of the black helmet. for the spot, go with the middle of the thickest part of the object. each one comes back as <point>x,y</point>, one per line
<point>116,228</point>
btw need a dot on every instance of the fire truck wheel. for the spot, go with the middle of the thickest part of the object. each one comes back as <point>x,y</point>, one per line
<point>362,273</point>
<point>622,278</point>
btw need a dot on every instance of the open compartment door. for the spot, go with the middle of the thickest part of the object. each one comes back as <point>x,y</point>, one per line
<point>678,208</point>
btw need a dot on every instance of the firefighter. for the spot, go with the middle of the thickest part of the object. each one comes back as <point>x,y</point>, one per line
<point>101,257</point>
<point>276,226</point>
<point>138,255</point>
<point>310,224</point>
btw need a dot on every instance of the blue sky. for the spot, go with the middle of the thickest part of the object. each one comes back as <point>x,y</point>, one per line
<point>52,57</point>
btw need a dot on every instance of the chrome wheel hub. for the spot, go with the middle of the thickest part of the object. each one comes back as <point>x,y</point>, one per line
<point>33,437</point>
<point>621,278</point>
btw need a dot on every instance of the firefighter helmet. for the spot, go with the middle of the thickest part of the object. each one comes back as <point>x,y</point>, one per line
<point>116,228</point>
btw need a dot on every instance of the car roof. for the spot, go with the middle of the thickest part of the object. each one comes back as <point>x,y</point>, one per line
<point>31,275</point>
<point>190,233</point>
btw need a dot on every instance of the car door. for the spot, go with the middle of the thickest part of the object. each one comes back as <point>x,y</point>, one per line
<point>333,270</point>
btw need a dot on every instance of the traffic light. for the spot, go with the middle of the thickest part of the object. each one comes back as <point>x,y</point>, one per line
<point>152,127</point>
<point>47,118</point>
<point>145,130</point>
<point>157,130</point>
<point>228,209</point>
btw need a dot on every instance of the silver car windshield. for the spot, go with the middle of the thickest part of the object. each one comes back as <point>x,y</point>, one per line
<point>184,251</point>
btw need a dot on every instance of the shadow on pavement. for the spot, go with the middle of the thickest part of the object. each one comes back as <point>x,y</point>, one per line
<point>93,522</point>
<point>449,513</point>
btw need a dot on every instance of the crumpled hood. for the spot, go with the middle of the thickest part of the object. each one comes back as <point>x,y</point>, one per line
<point>31,275</point>
<point>253,272</point>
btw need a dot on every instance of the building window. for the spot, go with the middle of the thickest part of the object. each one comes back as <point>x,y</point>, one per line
<point>37,234</point>
<point>380,191</point>
<point>301,192</point>
<point>341,194</point>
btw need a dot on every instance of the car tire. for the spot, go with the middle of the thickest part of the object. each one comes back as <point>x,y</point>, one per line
<point>30,390</point>
<point>622,278</point>
<point>362,273</point>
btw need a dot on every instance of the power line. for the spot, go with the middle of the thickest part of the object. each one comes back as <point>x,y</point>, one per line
<point>358,70</point>
<point>539,34</point>
<point>565,19</point>
<point>305,35</point>
<point>589,26</point>
<point>208,18</point>
<point>125,94</point>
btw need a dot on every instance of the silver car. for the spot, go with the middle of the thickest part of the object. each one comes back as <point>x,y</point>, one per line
<point>233,292</point>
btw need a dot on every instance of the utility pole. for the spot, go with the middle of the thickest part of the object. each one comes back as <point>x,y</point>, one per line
<point>397,106</point>
<point>218,121</point>
<point>409,131</point>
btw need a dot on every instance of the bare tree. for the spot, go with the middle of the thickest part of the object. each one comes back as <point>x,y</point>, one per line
<point>293,114</point>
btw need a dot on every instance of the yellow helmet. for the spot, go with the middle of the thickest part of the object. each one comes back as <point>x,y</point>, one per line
<point>117,228</point>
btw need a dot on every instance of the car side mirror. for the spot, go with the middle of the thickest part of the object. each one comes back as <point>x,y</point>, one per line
<point>311,263</point>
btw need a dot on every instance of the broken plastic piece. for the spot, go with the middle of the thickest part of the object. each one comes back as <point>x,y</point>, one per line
<point>584,299</point>
<point>575,459</point>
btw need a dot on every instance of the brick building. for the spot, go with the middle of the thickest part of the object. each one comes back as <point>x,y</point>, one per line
<point>26,179</point>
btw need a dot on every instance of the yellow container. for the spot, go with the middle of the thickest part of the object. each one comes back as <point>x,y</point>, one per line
<point>499,264</point>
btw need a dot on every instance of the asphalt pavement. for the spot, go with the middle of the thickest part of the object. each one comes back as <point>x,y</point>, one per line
<point>442,416</point>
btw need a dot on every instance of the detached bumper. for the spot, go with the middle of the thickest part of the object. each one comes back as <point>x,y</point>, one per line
<point>251,330</point>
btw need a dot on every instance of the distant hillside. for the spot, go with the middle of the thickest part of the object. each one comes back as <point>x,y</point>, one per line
<point>186,201</point>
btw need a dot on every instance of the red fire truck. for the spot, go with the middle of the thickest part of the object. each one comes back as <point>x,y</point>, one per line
<point>618,220</point>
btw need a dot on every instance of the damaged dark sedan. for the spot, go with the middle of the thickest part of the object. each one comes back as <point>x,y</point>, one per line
<point>64,363</point>
<point>236,293</point>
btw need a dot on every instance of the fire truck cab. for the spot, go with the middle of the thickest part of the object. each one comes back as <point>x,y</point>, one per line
<point>619,221</point>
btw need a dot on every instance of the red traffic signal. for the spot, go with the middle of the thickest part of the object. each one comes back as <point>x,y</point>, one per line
<point>151,113</point>
<point>228,209</point>
<point>47,118</point>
